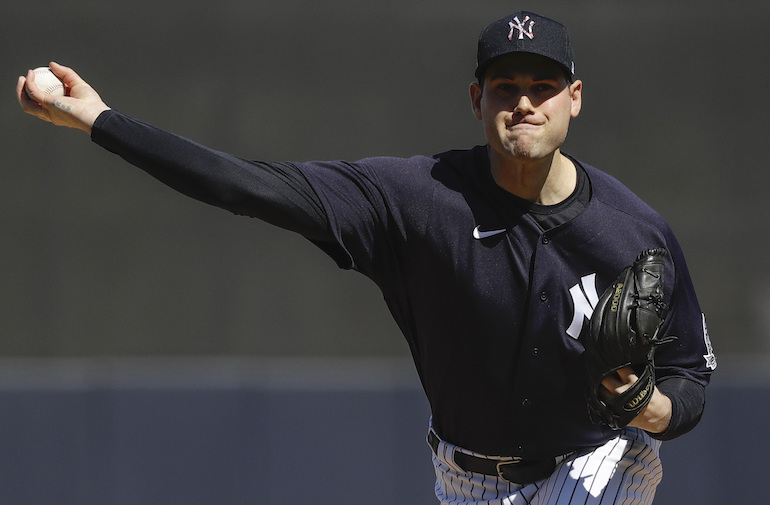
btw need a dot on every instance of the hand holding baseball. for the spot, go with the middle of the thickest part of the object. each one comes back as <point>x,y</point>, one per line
<point>77,105</point>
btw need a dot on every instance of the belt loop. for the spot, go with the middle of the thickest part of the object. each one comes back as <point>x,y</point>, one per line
<point>502,464</point>
<point>444,451</point>
<point>433,441</point>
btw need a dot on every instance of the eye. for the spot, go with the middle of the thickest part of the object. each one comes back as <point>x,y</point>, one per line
<point>543,87</point>
<point>507,87</point>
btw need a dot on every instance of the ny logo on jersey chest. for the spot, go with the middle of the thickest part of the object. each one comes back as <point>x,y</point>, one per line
<point>584,300</point>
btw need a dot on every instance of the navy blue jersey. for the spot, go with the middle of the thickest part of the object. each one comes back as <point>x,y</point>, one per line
<point>492,305</point>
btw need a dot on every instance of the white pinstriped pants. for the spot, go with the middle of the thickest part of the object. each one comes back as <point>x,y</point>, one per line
<point>624,471</point>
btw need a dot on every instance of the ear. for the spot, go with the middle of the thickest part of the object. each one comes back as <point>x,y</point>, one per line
<point>576,95</point>
<point>476,92</point>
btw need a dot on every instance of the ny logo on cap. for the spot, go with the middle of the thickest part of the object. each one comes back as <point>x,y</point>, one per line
<point>519,25</point>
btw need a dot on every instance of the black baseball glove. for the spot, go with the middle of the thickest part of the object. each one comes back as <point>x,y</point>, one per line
<point>624,333</point>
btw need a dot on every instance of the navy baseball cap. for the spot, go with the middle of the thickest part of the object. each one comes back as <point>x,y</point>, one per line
<point>525,32</point>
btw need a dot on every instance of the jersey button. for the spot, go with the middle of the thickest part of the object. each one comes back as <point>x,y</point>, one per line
<point>545,240</point>
<point>526,403</point>
<point>543,296</point>
<point>535,352</point>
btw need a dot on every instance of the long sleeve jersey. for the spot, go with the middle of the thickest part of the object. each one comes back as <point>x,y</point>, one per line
<point>490,302</point>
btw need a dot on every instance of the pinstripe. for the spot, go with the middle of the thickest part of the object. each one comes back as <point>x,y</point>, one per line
<point>636,481</point>
<point>549,485</point>
<point>546,489</point>
<point>624,471</point>
<point>631,491</point>
<point>613,489</point>
<point>554,485</point>
<point>644,478</point>
<point>608,495</point>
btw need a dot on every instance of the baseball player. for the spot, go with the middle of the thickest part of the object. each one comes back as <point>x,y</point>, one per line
<point>490,259</point>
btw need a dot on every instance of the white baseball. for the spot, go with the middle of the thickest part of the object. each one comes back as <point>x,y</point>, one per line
<point>48,82</point>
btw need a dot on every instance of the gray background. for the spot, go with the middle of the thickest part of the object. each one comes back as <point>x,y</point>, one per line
<point>100,262</point>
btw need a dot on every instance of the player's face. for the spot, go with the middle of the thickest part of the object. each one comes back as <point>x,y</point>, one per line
<point>525,106</point>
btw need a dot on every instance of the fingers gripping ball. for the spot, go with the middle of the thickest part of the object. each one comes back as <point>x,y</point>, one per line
<point>623,332</point>
<point>47,82</point>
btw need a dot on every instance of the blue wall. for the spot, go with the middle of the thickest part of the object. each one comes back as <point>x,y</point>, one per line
<point>248,431</point>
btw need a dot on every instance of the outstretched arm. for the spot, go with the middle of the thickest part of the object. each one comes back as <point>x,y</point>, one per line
<point>78,109</point>
<point>277,193</point>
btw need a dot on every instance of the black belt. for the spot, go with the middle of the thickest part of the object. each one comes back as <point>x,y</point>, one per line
<point>516,470</point>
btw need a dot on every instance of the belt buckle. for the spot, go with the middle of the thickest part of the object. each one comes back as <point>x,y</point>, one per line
<point>513,461</point>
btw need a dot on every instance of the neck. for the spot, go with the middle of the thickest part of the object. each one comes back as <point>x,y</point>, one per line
<point>545,181</point>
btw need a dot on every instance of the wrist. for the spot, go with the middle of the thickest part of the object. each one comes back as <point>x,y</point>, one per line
<point>656,415</point>
<point>89,116</point>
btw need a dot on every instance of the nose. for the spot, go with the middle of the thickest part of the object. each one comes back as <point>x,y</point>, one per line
<point>524,105</point>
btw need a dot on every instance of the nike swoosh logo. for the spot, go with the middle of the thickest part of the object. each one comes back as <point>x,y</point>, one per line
<point>478,234</point>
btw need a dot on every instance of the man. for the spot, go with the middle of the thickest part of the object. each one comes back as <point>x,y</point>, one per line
<point>488,258</point>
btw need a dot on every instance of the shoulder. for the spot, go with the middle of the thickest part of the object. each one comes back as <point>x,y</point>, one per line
<point>619,220</point>
<point>463,163</point>
<point>403,176</point>
<point>615,196</point>
<point>624,223</point>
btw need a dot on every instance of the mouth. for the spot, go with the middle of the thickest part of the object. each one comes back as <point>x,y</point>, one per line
<point>523,125</point>
<point>525,122</point>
